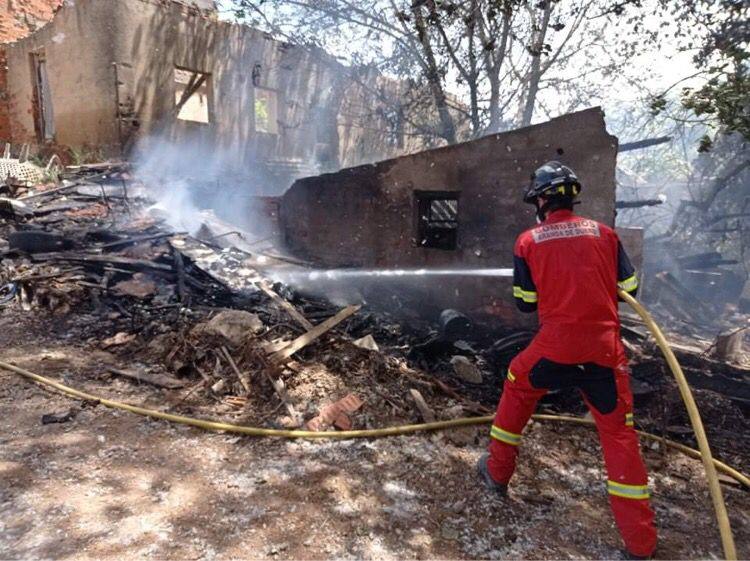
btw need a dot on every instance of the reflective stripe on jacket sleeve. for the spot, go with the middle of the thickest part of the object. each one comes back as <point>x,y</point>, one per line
<point>524,290</point>
<point>627,279</point>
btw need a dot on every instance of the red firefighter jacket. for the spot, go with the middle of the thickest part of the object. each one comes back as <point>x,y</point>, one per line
<point>569,269</point>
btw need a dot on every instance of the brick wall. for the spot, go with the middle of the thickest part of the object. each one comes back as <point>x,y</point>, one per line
<point>19,18</point>
<point>5,135</point>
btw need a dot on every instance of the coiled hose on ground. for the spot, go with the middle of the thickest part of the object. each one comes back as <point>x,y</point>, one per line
<point>711,465</point>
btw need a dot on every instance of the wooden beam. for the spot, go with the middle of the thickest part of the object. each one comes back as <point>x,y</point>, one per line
<point>303,340</point>
<point>242,377</point>
<point>645,143</point>
<point>158,380</point>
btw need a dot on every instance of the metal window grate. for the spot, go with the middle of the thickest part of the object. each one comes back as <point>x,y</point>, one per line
<point>445,212</point>
<point>437,221</point>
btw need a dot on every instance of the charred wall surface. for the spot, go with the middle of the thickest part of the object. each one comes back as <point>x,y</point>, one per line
<point>373,216</point>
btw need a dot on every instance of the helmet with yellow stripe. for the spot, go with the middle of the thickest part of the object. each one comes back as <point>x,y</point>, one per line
<point>552,181</point>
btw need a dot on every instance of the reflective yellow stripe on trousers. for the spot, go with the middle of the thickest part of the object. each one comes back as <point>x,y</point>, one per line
<point>627,491</point>
<point>505,436</point>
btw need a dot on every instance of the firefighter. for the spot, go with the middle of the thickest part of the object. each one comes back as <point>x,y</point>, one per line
<point>568,269</point>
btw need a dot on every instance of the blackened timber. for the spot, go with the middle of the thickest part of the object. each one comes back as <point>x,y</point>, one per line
<point>645,143</point>
<point>638,203</point>
<point>139,239</point>
<point>126,262</point>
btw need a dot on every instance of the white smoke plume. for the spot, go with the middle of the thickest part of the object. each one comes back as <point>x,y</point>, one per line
<point>188,178</point>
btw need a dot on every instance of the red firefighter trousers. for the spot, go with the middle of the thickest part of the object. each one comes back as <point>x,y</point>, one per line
<point>627,477</point>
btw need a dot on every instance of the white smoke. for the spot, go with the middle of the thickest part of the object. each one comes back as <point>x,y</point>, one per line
<point>188,178</point>
<point>174,203</point>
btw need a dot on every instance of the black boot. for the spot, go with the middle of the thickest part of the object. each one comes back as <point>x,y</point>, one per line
<point>499,488</point>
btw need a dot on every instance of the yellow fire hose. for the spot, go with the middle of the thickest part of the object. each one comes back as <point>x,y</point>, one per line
<point>710,464</point>
<point>727,540</point>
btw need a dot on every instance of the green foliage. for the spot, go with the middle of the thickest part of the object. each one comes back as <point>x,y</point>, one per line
<point>705,143</point>
<point>261,114</point>
<point>725,100</point>
<point>85,155</point>
<point>719,34</point>
<point>658,104</point>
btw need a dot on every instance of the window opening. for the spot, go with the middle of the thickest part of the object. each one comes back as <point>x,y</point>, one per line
<point>266,111</point>
<point>44,118</point>
<point>192,94</point>
<point>437,225</point>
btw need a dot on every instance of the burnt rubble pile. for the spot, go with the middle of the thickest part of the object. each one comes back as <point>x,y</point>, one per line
<point>198,318</point>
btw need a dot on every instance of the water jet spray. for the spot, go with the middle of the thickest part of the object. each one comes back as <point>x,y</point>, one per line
<point>346,274</point>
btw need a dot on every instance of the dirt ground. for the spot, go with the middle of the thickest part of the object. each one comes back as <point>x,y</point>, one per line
<point>108,484</point>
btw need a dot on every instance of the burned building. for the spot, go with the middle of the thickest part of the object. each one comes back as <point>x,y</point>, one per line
<point>456,207</point>
<point>104,74</point>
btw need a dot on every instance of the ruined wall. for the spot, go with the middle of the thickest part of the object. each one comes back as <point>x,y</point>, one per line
<point>19,18</point>
<point>378,117</point>
<point>319,121</point>
<point>112,65</point>
<point>366,216</point>
<point>157,37</point>
<point>79,51</point>
<point>5,131</point>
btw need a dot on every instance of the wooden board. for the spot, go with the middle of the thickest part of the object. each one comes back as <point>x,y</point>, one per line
<point>158,380</point>
<point>303,340</point>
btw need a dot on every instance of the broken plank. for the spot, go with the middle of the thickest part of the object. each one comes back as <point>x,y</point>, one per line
<point>243,379</point>
<point>158,380</point>
<point>48,192</point>
<point>60,207</point>
<point>291,310</point>
<point>280,388</point>
<point>303,340</point>
<point>427,414</point>
<point>100,166</point>
<point>179,266</point>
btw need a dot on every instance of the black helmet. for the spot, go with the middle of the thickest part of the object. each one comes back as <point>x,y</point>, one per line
<point>552,180</point>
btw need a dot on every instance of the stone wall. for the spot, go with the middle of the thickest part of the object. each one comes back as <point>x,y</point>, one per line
<point>4,108</point>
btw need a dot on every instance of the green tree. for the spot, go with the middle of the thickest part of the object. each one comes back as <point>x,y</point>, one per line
<point>718,33</point>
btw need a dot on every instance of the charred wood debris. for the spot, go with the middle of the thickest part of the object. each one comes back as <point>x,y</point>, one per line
<point>196,318</point>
